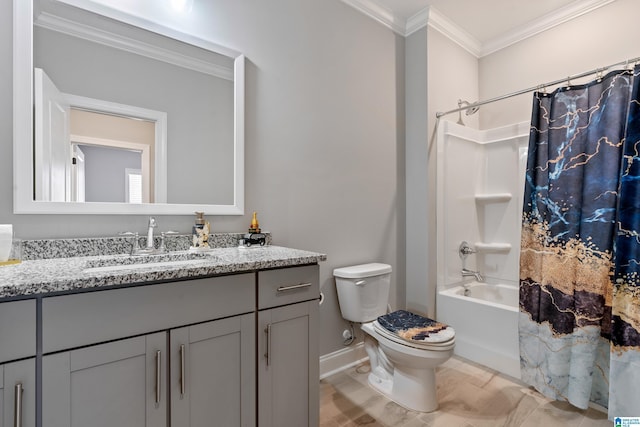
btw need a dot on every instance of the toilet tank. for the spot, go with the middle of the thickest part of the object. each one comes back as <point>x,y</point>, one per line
<point>363,291</point>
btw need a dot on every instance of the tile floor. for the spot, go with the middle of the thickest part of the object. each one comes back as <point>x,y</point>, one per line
<point>470,395</point>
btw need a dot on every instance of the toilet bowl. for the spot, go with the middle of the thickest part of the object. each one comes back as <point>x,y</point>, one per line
<point>407,376</point>
<point>403,361</point>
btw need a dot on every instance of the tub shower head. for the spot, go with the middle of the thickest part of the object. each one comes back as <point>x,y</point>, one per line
<point>468,111</point>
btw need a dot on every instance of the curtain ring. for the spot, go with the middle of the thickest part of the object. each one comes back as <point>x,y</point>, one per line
<point>599,75</point>
<point>568,81</point>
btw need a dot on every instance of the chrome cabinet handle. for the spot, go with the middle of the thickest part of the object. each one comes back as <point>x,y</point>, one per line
<point>182,377</point>
<point>17,406</point>
<point>267,331</point>
<point>293,287</point>
<point>158,375</point>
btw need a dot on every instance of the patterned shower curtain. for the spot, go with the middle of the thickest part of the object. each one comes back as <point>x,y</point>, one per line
<point>580,250</point>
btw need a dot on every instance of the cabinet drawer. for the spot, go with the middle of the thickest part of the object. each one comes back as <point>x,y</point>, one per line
<point>17,330</point>
<point>287,286</point>
<point>70,321</point>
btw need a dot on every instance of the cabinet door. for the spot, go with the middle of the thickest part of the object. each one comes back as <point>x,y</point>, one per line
<point>121,383</point>
<point>17,330</point>
<point>288,366</point>
<point>213,373</point>
<point>18,394</point>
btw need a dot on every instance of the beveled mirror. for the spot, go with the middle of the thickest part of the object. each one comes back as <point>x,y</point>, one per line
<point>112,67</point>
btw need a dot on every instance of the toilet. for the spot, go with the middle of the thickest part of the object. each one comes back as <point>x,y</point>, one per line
<point>403,348</point>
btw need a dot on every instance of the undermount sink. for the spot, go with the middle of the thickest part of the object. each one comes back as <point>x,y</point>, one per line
<point>127,262</point>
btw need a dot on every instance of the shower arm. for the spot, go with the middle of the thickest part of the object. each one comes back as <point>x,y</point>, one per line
<point>470,109</point>
<point>538,87</point>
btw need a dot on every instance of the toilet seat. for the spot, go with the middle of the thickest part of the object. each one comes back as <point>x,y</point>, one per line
<point>415,329</point>
<point>443,345</point>
<point>380,333</point>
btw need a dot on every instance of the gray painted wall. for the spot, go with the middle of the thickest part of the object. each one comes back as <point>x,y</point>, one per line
<point>418,217</point>
<point>544,58</point>
<point>324,128</point>
<point>105,172</point>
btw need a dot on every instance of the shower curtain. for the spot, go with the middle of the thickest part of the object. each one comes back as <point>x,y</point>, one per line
<point>580,249</point>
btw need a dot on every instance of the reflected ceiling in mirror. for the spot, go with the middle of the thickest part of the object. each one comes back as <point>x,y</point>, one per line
<point>117,59</point>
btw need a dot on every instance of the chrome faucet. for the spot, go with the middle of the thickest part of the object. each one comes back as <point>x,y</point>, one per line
<point>152,225</point>
<point>150,247</point>
<point>466,273</point>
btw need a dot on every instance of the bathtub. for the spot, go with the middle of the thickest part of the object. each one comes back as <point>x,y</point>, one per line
<point>486,324</point>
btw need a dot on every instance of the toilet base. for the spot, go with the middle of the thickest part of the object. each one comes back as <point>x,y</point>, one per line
<point>403,374</point>
<point>384,386</point>
<point>413,389</point>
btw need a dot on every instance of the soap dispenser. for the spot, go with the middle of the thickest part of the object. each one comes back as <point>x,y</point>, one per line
<point>200,232</point>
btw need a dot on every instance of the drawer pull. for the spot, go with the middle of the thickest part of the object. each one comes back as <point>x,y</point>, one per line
<point>267,332</point>
<point>293,287</point>
<point>17,406</point>
<point>182,376</point>
<point>158,376</point>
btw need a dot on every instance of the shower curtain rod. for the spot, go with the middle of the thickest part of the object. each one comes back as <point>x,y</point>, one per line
<point>538,87</point>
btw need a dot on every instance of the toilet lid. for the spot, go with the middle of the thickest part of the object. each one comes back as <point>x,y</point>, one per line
<point>415,329</point>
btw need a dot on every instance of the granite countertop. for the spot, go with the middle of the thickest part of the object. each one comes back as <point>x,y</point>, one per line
<point>37,277</point>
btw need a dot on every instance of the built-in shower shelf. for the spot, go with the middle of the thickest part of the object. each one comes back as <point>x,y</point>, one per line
<point>493,197</point>
<point>492,247</point>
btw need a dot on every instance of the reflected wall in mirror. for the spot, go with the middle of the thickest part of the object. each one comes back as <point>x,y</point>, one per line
<point>112,158</point>
<point>190,96</point>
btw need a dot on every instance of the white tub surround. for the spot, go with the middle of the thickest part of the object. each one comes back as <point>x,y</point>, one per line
<point>486,323</point>
<point>479,197</point>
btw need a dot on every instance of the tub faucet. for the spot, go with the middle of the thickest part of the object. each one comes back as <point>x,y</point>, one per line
<point>476,274</point>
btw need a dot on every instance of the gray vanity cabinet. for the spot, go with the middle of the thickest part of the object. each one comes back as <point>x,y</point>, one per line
<point>121,383</point>
<point>132,375</point>
<point>288,359</point>
<point>17,330</point>
<point>18,393</point>
<point>190,353</point>
<point>17,363</point>
<point>212,373</point>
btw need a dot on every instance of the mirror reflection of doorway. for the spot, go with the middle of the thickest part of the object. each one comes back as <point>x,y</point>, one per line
<point>108,174</point>
<point>84,148</point>
<point>77,174</point>
<point>112,145</point>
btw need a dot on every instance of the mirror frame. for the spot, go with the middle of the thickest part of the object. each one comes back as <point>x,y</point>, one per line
<point>23,188</point>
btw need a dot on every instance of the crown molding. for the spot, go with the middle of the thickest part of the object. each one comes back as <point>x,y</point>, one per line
<point>417,21</point>
<point>380,13</point>
<point>433,18</point>
<point>544,23</point>
<point>76,29</point>
<point>441,23</point>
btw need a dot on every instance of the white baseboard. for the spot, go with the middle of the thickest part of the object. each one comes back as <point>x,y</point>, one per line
<point>342,359</point>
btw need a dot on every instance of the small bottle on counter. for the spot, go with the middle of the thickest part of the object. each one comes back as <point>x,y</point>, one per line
<point>254,227</point>
<point>254,236</point>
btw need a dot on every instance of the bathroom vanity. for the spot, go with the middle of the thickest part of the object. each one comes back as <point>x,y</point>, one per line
<point>229,338</point>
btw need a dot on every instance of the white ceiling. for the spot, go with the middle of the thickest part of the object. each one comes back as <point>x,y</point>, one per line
<point>481,26</point>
